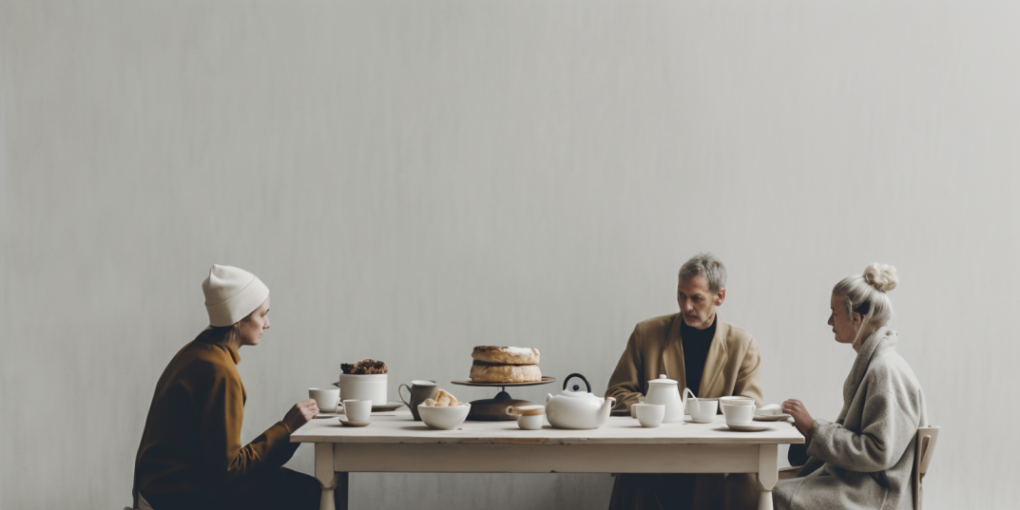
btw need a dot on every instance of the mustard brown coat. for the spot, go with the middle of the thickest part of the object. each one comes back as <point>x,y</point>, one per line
<point>191,447</point>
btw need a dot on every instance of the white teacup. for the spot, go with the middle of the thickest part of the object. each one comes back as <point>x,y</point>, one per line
<point>358,411</point>
<point>530,422</point>
<point>738,414</point>
<point>702,409</point>
<point>325,398</point>
<point>650,415</point>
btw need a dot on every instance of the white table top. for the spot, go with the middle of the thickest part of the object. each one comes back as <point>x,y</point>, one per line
<point>399,427</point>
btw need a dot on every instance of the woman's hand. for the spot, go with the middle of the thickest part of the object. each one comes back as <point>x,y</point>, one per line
<point>801,419</point>
<point>300,414</point>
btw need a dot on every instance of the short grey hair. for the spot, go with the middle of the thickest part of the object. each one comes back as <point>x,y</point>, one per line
<point>708,266</point>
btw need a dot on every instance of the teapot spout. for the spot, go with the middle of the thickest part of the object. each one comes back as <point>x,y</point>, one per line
<point>548,397</point>
<point>607,407</point>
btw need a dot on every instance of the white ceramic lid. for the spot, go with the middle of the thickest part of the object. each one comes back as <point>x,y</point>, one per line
<point>662,380</point>
<point>577,394</point>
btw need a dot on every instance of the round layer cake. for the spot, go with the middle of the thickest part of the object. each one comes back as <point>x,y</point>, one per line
<point>496,373</point>
<point>506,355</point>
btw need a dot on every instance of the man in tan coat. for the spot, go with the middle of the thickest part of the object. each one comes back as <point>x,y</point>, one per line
<point>713,359</point>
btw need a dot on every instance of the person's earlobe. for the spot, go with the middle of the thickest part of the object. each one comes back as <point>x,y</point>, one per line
<point>720,297</point>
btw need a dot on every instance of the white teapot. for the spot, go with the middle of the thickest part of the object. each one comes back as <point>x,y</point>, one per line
<point>666,392</point>
<point>576,409</point>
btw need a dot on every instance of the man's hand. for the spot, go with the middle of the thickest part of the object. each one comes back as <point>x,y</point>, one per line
<point>301,413</point>
<point>801,419</point>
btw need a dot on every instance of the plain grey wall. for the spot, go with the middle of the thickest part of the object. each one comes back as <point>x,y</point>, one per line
<point>412,179</point>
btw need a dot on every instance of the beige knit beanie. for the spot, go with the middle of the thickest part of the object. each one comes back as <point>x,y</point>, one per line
<point>231,293</point>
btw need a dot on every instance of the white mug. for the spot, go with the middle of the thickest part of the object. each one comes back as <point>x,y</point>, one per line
<point>358,411</point>
<point>325,398</point>
<point>738,414</point>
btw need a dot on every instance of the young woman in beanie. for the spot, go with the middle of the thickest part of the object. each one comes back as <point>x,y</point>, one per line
<point>191,455</point>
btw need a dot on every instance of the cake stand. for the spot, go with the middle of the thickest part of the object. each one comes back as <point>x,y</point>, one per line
<point>494,409</point>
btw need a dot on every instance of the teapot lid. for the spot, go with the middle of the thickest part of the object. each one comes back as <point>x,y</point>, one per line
<point>577,394</point>
<point>662,380</point>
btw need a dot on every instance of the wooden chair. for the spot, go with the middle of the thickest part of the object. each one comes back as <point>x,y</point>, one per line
<point>926,438</point>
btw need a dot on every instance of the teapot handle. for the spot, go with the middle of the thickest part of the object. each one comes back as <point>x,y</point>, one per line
<point>586,383</point>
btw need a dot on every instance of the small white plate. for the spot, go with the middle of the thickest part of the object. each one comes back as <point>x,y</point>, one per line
<point>748,428</point>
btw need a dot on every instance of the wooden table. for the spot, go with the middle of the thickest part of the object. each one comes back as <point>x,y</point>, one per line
<point>395,443</point>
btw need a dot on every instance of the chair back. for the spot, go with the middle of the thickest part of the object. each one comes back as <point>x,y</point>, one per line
<point>926,438</point>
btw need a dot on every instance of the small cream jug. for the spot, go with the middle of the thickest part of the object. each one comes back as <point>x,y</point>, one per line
<point>667,392</point>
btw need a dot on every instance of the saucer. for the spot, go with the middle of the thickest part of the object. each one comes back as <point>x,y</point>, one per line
<point>748,428</point>
<point>771,417</point>
<point>327,415</point>
<point>389,406</point>
<point>354,423</point>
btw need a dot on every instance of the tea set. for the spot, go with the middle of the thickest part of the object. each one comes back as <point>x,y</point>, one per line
<point>573,408</point>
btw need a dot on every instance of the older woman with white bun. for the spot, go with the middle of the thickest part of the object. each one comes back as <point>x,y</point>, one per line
<point>191,455</point>
<point>865,458</point>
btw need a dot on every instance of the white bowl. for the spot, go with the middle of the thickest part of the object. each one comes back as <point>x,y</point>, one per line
<point>444,418</point>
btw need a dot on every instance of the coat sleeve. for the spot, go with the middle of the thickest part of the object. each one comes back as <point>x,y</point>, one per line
<point>748,381</point>
<point>220,418</point>
<point>625,384</point>
<point>889,423</point>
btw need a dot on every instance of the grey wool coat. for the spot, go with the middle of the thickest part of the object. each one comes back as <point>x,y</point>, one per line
<point>865,460</point>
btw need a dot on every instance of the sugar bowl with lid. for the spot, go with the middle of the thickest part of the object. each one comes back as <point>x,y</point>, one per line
<point>665,391</point>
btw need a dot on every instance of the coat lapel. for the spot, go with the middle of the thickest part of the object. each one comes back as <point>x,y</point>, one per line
<point>673,354</point>
<point>869,347</point>
<point>715,361</point>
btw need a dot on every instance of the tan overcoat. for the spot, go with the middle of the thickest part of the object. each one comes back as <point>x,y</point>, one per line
<point>655,348</point>
<point>731,368</point>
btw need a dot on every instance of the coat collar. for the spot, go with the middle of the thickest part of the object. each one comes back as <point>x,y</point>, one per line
<point>234,355</point>
<point>716,360</point>
<point>673,356</point>
<point>881,338</point>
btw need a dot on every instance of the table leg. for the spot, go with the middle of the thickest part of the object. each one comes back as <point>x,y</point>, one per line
<point>341,491</point>
<point>326,476</point>
<point>768,474</point>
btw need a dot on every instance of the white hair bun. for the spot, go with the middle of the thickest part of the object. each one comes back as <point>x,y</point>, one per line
<point>881,276</point>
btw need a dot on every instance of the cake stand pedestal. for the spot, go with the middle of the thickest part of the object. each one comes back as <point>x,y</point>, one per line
<point>494,409</point>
